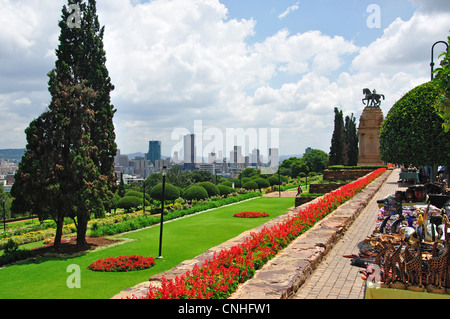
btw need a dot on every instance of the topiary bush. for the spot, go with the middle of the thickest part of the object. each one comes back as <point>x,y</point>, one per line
<point>224,190</point>
<point>212,189</point>
<point>250,185</point>
<point>130,203</point>
<point>412,130</point>
<point>137,194</point>
<point>171,192</point>
<point>195,192</point>
<point>262,183</point>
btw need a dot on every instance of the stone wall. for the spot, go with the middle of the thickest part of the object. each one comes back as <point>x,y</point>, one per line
<point>300,200</point>
<point>323,188</point>
<point>334,175</point>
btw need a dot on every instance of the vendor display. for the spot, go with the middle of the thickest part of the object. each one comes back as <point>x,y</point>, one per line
<point>409,249</point>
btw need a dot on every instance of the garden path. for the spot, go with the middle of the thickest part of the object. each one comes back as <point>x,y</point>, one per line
<point>335,278</point>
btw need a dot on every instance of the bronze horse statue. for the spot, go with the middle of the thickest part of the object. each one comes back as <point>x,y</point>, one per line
<point>373,98</point>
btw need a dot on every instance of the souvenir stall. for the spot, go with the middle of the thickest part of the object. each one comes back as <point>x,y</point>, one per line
<point>408,254</point>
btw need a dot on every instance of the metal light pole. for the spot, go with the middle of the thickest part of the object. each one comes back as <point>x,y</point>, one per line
<point>143,193</point>
<point>279,181</point>
<point>432,56</point>
<point>164,172</point>
<point>4,215</point>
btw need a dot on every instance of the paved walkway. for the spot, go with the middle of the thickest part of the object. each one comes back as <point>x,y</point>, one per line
<point>335,278</point>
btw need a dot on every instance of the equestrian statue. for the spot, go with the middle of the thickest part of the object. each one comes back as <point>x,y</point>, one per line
<point>373,99</point>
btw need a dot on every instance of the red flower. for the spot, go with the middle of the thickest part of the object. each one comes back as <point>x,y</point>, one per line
<point>250,215</point>
<point>122,263</point>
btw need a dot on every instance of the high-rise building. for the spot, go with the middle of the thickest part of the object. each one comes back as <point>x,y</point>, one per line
<point>273,157</point>
<point>189,151</point>
<point>154,151</point>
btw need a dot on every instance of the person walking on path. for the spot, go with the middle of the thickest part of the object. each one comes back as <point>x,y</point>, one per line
<point>299,190</point>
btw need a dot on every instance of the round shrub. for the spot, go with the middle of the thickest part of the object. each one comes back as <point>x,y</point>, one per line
<point>130,203</point>
<point>226,183</point>
<point>195,192</point>
<point>262,183</point>
<point>273,180</point>
<point>212,189</point>
<point>224,190</point>
<point>250,185</point>
<point>171,192</point>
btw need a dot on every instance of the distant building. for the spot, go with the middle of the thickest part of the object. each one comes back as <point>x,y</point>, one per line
<point>189,152</point>
<point>154,151</point>
<point>307,150</point>
<point>273,157</point>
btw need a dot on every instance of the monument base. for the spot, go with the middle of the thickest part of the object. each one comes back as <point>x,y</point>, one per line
<point>369,131</point>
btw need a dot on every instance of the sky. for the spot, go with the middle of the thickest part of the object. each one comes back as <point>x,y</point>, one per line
<point>213,67</point>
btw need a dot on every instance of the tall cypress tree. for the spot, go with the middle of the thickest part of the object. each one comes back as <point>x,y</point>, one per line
<point>351,140</point>
<point>338,153</point>
<point>76,135</point>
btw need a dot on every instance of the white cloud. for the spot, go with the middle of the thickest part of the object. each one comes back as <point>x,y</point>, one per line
<point>174,62</point>
<point>290,9</point>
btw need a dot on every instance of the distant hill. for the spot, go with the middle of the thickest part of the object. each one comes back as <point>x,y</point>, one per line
<point>12,154</point>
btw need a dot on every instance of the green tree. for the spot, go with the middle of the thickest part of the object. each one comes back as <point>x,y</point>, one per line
<point>71,147</point>
<point>338,152</point>
<point>249,172</point>
<point>261,182</point>
<point>351,140</point>
<point>250,185</point>
<point>316,160</point>
<point>121,189</point>
<point>294,166</point>
<point>443,81</point>
<point>412,130</point>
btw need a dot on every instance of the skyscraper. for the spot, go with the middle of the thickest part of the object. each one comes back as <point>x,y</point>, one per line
<point>154,151</point>
<point>189,151</point>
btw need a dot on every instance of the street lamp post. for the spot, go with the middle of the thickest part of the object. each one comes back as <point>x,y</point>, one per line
<point>4,215</point>
<point>143,193</point>
<point>432,56</point>
<point>164,172</point>
<point>279,181</point>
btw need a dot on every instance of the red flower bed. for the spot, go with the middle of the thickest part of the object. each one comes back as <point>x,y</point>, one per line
<point>122,263</point>
<point>250,215</point>
<point>219,276</point>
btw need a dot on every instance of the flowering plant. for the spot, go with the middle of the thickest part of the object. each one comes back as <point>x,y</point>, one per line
<point>219,276</point>
<point>122,263</point>
<point>250,215</point>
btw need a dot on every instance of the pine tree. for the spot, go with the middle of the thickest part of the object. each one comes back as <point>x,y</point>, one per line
<point>338,152</point>
<point>76,135</point>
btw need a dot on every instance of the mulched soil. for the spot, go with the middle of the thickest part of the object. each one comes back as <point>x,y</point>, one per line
<point>70,247</point>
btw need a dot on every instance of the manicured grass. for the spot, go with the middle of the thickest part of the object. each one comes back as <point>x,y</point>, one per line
<point>183,239</point>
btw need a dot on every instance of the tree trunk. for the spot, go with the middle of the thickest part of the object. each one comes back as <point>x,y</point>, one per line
<point>58,235</point>
<point>81,231</point>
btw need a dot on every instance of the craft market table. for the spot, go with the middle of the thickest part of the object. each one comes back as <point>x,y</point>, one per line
<point>374,291</point>
<point>409,175</point>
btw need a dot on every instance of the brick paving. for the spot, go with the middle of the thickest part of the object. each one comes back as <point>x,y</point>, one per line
<point>335,278</point>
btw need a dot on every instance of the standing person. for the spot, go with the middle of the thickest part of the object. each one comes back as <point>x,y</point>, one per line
<point>299,190</point>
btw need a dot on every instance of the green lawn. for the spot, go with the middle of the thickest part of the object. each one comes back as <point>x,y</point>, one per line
<point>182,239</point>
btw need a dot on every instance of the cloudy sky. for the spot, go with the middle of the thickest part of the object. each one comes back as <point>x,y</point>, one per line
<point>272,66</point>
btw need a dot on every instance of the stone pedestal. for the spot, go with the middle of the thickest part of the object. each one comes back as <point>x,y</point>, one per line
<point>369,136</point>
